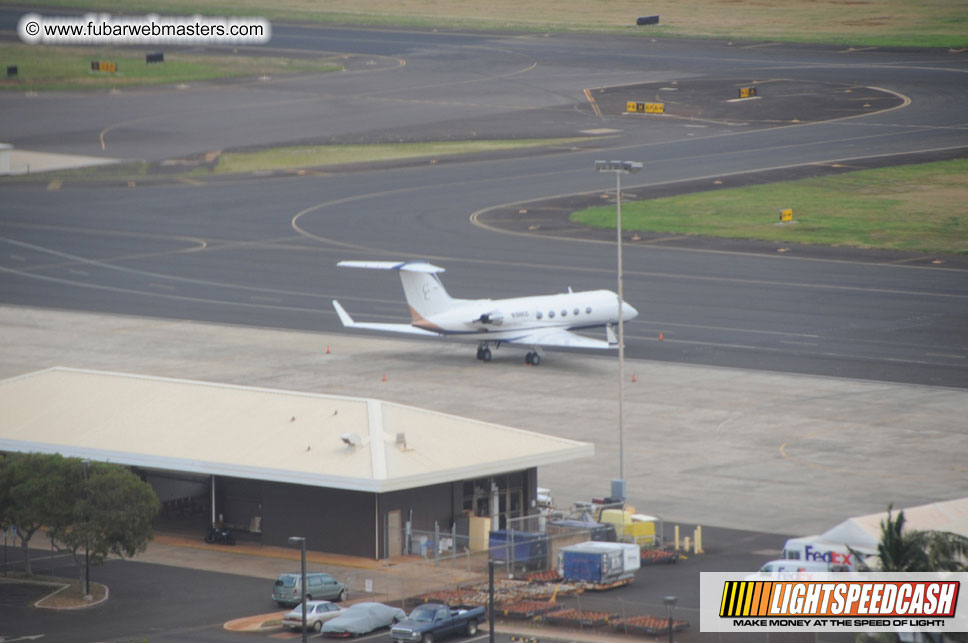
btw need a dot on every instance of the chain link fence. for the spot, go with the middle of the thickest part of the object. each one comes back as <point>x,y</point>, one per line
<point>528,543</point>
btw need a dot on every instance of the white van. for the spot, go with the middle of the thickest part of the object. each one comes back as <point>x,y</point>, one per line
<point>798,566</point>
<point>813,549</point>
<point>792,570</point>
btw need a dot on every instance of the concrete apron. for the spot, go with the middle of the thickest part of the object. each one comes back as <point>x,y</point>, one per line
<point>770,452</point>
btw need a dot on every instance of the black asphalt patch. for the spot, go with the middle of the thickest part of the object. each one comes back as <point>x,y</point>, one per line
<point>777,101</point>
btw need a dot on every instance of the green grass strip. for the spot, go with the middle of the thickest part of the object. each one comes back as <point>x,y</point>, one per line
<point>914,208</point>
<point>69,68</point>
<point>279,158</point>
<point>926,23</point>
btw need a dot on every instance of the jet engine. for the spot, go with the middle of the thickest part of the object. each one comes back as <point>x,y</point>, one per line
<point>493,318</point>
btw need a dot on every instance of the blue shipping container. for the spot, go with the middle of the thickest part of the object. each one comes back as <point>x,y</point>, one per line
<point>521,548</point>
<point>598,562</point>
<point>582,566</point>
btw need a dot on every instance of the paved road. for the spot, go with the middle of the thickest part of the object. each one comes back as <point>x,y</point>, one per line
<point>262,251</point>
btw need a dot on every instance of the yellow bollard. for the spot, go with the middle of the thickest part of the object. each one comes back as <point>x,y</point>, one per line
<point>677,537</point>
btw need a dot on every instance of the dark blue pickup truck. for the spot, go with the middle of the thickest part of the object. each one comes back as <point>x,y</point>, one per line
<point>435,621</point>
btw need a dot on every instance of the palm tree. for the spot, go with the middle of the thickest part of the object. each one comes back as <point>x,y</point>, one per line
<point>914,550</point>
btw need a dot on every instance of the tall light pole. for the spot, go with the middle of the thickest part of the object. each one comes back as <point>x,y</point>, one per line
<point>87,561</point>
<point>620,168</point>
<point>670,602</point>
<point>301,541</point>
<point>490,601</point>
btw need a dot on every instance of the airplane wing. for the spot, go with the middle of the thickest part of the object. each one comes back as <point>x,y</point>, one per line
<point>347,321</point>
<point>560,337</point>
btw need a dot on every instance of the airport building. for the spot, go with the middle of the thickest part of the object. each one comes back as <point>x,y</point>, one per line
<point>346,473</point>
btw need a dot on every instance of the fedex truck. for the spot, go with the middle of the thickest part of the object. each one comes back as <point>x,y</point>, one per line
<point>837,556</point>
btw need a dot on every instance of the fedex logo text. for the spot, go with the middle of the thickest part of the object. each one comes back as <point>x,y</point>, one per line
<point>831,557</point>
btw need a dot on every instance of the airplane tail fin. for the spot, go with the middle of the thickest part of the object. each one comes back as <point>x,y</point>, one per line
<point>425,293</point>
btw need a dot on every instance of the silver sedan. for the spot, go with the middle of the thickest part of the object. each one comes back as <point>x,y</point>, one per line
<point>317,613</point>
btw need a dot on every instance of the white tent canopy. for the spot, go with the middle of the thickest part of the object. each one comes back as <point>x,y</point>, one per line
<point>865,531</point>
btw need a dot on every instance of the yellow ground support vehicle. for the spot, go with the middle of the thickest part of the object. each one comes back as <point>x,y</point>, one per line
<point>630,527</point>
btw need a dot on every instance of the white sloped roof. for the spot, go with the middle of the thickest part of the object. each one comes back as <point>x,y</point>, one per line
<point>266,434</point>
<point>865,531</point>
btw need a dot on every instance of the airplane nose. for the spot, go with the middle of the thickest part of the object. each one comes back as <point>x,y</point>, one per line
<point>628,312</point>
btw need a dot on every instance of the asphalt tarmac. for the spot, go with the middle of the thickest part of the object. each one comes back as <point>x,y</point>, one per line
<point>261,250</point>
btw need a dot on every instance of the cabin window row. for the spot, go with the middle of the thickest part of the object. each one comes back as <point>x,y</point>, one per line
<point>564,312</point>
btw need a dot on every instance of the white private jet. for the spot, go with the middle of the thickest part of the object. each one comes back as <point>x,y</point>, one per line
<point>532,322</point>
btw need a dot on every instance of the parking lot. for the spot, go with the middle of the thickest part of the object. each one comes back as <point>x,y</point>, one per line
<point>217,593</point>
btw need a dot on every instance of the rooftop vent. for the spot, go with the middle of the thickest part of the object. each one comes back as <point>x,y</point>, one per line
<point>351,440</point>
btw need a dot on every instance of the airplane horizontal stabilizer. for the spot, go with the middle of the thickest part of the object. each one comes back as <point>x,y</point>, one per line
<point>406,266</point>
<point>348,322</point>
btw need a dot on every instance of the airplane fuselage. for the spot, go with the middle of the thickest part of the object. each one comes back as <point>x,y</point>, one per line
<point>506,319</point>
<point>529,322</point>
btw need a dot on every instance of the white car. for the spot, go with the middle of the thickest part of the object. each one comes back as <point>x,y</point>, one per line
<point>317,613</point>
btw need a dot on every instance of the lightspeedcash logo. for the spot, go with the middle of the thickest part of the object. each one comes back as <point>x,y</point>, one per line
<point>833,602</point>
<point>833,599</point>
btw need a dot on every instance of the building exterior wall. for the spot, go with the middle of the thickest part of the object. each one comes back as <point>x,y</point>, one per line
<point>354,523</point>
<point>333,520</point>
<point>423,507</point>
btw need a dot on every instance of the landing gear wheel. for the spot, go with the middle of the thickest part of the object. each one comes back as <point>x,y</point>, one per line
<point>535,359</point>
<point>486,354</point>
<point>480,353</point>
<point>527,358</point>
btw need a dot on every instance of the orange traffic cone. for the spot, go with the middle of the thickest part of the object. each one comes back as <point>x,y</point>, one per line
<point>660,335</point>
<point>633,378</point>
<point>384,377</point>
<point>327,349</point>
